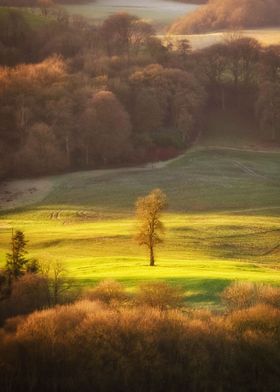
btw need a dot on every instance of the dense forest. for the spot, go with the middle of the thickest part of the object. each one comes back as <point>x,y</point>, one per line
<point>225,14</point>
<point>58,80</point>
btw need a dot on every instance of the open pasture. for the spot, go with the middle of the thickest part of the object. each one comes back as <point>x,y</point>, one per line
<point>159,12</point>
<point>223,222</point>
<point>266,36</point>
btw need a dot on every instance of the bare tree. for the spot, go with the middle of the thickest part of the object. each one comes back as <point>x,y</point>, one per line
<point>57,281</point>
<point>148,211</point>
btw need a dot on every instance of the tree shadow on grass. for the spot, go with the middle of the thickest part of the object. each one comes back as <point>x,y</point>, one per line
<point>199,292</point>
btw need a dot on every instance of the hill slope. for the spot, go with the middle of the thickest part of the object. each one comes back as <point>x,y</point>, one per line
<point>228,14</point>
<point>223,221</point>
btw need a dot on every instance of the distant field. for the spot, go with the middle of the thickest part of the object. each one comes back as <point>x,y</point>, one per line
<point>159,12</point>
<point>223,221</point>
<point>267,36</point>
<point>32,16</point>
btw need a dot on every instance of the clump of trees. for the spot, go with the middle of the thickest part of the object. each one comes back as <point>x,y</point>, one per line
<point>17,263</point>
<point>89,96</point>
<point>98,345</point>
<point>27,285</point>
<point>241,74</point>
<point>228,14</point>
<point>92,96</point>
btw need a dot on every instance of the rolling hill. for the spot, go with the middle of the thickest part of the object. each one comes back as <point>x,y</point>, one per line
<point>223,221</point>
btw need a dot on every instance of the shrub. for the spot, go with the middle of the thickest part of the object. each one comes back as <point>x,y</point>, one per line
<point>87,346</point>
<point>4,285</point>
<point>270,295</point>
<point>108,292</point>
<point>259,318</point>
<point>160,295</point>
<point>240,295</point>
<point>29,293</point>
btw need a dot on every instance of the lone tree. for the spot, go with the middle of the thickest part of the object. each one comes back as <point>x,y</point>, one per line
<point>16,260</point>
<point>148,211</point>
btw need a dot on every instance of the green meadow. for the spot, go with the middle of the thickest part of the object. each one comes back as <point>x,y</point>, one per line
<point>222,224</point>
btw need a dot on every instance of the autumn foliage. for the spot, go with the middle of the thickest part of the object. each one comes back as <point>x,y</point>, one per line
<point>89,346</point>
<point>229,14</point>
<point>150,226</point>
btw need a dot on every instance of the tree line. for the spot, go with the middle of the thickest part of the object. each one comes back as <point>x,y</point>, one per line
<point>78,96</point>
<point>122,345</point>
<point>54,107</point>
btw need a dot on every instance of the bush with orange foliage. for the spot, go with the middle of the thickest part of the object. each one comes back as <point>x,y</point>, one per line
<point>29,293</point>
<point>241,295</point>
<point>108,292</point>
<point>88,346</point>
<point>160,295</point>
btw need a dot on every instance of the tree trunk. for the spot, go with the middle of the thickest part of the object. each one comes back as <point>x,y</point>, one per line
<point>223,99</point>
<point>152,257</point>
<point>87,156</point>
<point>67,149</point>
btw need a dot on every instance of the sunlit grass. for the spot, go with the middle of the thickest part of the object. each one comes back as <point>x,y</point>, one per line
<point>266,36</point>
<point>223,223</point>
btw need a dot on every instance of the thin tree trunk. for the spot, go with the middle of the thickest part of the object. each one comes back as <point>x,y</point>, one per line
<point>67,149</point>
<point>152,257</point>
<point>87,156</point>
<point>223,99</point>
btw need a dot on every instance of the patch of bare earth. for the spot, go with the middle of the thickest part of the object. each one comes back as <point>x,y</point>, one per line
<point>19,193</point>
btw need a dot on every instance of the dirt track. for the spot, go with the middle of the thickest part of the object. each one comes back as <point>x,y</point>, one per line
<point>17,193</point>
<point>20,193</point>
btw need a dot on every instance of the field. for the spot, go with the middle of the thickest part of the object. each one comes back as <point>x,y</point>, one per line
<point>266,36</point>
<point>32,16</point>
<point>223,221</point>
<point>159,12</point>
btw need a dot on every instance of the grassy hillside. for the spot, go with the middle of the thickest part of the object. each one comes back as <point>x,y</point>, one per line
<point>227,14</point>
<point>223,222</point>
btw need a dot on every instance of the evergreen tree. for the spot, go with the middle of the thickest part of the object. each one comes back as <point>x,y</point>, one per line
<point>16,260</point>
